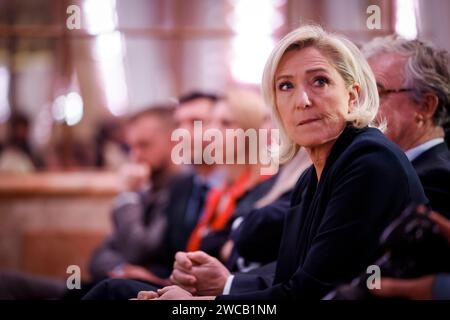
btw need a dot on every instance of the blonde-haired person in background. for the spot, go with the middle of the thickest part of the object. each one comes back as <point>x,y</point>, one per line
<point>238,112</point>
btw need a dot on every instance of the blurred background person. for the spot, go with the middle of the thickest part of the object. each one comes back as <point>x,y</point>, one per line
<point>16,156</point>
<point>136,247</point>
<point>149,231</point>
<point>192,194</point>
<point>239,110</point>
<point>139,216</point>
<point>413,80</point>
<point>110,146</point>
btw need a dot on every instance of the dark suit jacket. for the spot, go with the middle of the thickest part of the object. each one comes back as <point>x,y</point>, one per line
<point>147,232</point>
<point>333,226</point>
<point>447,137</point>
<point>433,169</point>
<point>258,237</point>
<point>254,280</point>
<point>178,229</point>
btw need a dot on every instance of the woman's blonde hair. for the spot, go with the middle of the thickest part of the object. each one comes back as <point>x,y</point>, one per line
<point>348,61</point>
<point>247,106</point>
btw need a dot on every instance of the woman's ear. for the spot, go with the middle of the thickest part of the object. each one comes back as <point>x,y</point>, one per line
<point>353,96</point>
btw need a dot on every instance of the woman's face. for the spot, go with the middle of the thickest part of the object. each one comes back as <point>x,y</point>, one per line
<point>222,118</point>
<point>311,97</point>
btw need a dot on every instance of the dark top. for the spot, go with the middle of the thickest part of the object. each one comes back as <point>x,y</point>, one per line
<point>447,137</point>
<point>433,169</point>
<point>332,228</point>
<point>258,237</point>
<point>180,226</point>
<point>148,232</point>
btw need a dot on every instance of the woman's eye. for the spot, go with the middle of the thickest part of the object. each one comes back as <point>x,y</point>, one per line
<point>321,81</point>
<point>285,86</point>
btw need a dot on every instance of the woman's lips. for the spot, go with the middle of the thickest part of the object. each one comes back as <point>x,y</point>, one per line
<point>306,121</point>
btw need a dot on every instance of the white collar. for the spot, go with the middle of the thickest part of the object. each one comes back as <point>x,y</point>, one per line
<point>413,153</point>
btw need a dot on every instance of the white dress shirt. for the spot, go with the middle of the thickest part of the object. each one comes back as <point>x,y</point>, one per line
<point>413,153</point>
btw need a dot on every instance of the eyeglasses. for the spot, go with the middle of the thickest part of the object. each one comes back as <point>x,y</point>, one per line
<point>385,92</point>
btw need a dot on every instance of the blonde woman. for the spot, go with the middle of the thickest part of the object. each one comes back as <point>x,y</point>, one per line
<point>239,110</point>
<point>324,98</point>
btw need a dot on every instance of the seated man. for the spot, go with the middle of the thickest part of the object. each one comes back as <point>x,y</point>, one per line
<point>136,247</point>
<point>152,224</point>
<point>139,221</point>
<point>413,80</point>
<point>153,216</point>
<point>414,86</point>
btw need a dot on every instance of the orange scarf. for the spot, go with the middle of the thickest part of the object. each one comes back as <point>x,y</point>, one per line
<point>214,220</point>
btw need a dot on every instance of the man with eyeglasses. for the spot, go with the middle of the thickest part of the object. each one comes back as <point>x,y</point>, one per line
<point>413,81</point>
<point>414,87</point>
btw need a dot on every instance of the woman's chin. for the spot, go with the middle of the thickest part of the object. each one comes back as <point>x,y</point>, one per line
<point>310,141</point>
<point>314,142</point>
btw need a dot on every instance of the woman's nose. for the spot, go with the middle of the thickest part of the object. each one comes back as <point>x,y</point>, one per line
<point>302,100</point>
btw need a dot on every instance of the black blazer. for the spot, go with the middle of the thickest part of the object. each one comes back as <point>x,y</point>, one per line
<point>148,232</point>
<point>333,226</point>
<point>256,279</point>
<point>179,228</point>
<point>258,237</point>
<point>433,169</point>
